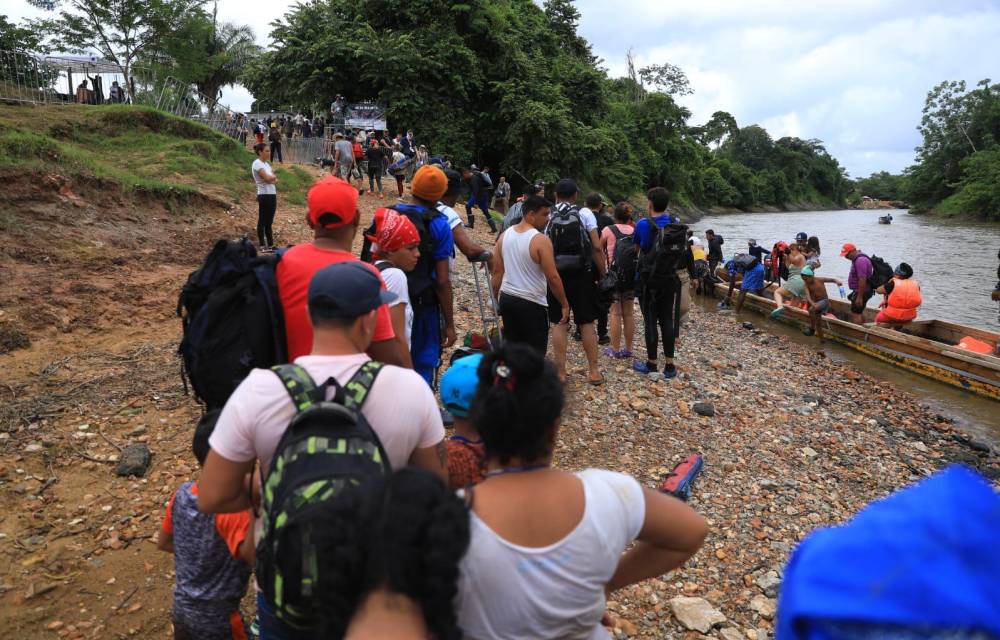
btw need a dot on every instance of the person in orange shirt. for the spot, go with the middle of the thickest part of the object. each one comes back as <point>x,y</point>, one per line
<point>902,298</point>
<point>212,558</point>
<point>334,217</point>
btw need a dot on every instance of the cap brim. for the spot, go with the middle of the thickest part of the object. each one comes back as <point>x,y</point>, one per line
<point>844,252</point>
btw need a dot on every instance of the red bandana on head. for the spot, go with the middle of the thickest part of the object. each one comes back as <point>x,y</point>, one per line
<point>393,231</point>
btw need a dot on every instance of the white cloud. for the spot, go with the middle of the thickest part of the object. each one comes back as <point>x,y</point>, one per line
<point>852,73</point>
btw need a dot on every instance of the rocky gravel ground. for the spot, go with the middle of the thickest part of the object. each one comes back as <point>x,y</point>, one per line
<point>791,442</point>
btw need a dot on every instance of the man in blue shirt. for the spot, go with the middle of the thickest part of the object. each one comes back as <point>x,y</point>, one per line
<point>429,283</point>
<point>657,304</point>
<point>753,280</point>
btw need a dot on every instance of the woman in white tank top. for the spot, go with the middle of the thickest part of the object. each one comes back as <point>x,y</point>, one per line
<point>546,545</point>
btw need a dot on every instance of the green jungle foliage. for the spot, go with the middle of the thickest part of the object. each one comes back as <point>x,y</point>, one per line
<point>958,164</point>
<point>512,85</point>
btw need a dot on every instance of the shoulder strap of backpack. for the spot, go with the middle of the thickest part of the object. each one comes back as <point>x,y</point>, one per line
<point>357,388</point>
<point>299,385</point>
<point>618,233</point>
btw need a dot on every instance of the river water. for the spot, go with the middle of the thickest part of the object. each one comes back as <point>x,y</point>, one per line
<point>955,263</point>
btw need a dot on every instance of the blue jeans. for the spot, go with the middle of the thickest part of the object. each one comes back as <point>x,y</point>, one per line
<point>483,202</point>
<point>272,627</point>
<point>425,342</point>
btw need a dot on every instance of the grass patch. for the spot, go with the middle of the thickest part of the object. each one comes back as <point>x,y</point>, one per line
<point>143,151</point>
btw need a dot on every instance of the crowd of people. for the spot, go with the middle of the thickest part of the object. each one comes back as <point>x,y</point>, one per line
<point>333,480</point>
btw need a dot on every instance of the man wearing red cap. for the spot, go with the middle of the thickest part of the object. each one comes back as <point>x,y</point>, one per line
<point>333,215</point>
<point>857,281</point>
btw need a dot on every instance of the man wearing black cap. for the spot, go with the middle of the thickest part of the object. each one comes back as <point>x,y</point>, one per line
<point>343,302</point>
<point>578,252</point>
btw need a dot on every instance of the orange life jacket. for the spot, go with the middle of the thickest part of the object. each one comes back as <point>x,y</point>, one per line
<point>903,301</point>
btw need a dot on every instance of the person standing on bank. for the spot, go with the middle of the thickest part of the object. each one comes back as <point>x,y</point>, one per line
<point>274,136</point>
<point>267,195</point>
<point>501,197</point>
<point>522,267</point>
<point>577,251</point>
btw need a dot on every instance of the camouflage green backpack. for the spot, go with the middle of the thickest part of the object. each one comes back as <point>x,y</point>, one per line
<point>327,446</point>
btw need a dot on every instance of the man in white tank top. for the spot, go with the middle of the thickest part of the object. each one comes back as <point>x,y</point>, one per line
<point>523,269</point>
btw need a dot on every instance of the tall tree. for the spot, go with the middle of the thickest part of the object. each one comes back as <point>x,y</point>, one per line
<point>119,30</point>
<point>209,54</point>
<point>667,78</point>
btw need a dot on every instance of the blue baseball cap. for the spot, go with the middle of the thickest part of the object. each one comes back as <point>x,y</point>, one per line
<point>347,290</point>
<point>458,385</point>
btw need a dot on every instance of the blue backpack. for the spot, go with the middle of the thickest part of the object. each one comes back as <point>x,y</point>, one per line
<point>232,320</point>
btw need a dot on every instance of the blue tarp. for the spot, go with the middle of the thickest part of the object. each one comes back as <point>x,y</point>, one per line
<point>923,562</point>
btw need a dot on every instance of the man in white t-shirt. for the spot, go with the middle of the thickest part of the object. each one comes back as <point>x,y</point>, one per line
<point>579,283</point>
<point>343,302</point>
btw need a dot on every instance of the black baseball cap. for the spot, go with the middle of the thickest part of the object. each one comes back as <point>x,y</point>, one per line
<point>347,290</point>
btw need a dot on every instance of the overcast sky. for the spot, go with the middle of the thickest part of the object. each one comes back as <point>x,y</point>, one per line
<point>853,73</point>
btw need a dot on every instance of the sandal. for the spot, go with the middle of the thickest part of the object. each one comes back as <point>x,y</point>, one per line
<point>609,352</point>
<point>597,382</point>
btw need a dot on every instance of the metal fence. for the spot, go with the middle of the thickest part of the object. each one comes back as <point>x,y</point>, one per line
<point>36,79</point>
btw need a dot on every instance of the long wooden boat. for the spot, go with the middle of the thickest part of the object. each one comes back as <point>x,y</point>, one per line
<point>927,347</point>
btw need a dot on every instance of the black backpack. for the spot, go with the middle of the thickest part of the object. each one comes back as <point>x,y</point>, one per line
<point>419,281</point>
<point>881,273</point>
<point>327,447</point>
<point>232,320</point>
<point>570,241</point>
<point>745,262</point>
<point>625,260</point>
<point>658,266</point>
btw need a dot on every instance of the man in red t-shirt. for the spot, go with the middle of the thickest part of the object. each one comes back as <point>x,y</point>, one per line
<point>333,215</point>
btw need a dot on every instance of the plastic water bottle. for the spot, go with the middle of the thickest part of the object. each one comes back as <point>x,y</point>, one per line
<point>842,294</point>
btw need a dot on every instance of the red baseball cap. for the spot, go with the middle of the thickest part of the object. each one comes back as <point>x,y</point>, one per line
<point>332,203</point>
<point>847,249</point>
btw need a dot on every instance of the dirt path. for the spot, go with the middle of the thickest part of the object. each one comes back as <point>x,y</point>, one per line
<point>77,558</point>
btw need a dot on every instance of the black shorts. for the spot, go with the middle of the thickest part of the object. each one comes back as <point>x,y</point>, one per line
<point>581,291</point>
<point>524,321</point>
<point>869,294</point>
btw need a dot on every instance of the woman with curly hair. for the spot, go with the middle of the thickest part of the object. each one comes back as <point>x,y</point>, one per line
<point>389,567</point>
<point>546,544</point>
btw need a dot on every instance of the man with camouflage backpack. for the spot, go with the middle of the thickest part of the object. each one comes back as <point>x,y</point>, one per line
<point>333,417</point>
<point>577,251</point>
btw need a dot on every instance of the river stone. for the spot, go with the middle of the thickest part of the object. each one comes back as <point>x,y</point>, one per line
<point>764,606</point>
<point>748,325</point>
<point>730,634</point>
<point>696,613</point>
<point>134,460</point>
<point>768,583</point>
<point>706,409</point>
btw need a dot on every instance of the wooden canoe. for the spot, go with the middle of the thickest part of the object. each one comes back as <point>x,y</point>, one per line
<point>927,347</point>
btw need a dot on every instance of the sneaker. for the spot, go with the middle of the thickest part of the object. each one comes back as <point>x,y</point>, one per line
<point>777,312</point>
<point>643,367</point>
<point>624,354</point>
<point>381,196</point>
<point>604,340</point>
<point>669,371</point>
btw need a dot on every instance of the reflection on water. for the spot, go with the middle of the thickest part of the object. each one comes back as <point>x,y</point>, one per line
<point>955,263</point>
